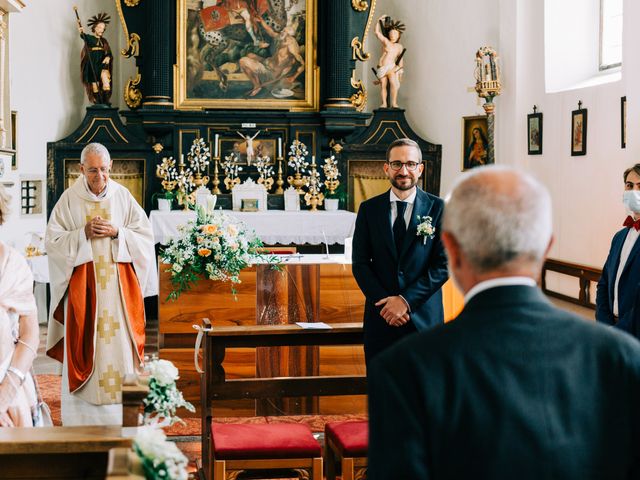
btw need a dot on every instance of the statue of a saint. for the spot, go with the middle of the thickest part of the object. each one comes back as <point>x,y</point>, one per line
<point>96,61</point>
<point>390,67</point>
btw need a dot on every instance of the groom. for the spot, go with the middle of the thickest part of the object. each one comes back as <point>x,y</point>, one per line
<point>398,259</point>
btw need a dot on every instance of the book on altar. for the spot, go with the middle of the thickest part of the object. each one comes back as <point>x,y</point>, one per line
<point>314,325</point>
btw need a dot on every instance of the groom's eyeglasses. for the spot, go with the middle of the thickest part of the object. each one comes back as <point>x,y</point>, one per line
<point>397,165</point>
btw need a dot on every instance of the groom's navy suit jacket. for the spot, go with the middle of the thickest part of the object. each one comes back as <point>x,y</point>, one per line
<point>627,287</point>
<point>417,275</point>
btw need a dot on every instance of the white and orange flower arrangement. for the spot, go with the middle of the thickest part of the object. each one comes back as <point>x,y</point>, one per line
<point>214,246</point>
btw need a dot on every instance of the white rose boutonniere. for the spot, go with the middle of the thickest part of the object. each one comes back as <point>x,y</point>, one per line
<point>425,228</point>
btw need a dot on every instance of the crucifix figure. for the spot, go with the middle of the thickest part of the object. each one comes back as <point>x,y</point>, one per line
<point>249,140</point>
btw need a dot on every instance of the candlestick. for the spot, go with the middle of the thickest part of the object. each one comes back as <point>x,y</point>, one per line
<point>280,181</point>
<point>216,177</point>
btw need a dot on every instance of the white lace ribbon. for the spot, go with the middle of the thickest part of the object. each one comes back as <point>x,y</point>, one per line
<point>202,330</point>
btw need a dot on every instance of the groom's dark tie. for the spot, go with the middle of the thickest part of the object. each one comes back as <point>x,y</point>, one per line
<point>399,226</point>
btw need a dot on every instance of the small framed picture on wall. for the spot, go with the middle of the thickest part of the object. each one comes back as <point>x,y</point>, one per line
<point>623,122</point>
<point>579,131</point>
<point>534,133</point>
<point>475,143</point>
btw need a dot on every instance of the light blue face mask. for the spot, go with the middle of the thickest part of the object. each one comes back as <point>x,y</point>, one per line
<point>631,200</point>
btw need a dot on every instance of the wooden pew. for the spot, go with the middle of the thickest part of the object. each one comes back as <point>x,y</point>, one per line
<point>215,385</point>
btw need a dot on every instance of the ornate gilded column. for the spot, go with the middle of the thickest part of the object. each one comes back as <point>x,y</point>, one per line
<point>158,62</point>
<point>339,62</point>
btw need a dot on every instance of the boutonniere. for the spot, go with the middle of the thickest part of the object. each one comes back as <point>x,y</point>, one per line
<point>425,229</point>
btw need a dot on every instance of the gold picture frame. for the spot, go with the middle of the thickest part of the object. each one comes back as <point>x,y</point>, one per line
<point>227,59</point>
<point>475,143</point>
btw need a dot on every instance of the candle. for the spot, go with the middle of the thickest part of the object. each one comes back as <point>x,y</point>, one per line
<point>181,159</point>
<point>215,146</point>
<point>279,147</point>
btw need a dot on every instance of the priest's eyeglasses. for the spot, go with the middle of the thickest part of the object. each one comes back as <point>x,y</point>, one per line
<point>397,165</point>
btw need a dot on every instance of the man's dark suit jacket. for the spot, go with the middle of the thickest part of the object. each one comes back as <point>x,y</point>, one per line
<point>627,287</point>
<point>417,275</point>
<point>513,388</point>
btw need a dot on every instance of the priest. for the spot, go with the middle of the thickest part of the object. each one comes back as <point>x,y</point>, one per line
<point>102,263</point>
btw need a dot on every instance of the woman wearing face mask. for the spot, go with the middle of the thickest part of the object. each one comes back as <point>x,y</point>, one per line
<point>619,285</point>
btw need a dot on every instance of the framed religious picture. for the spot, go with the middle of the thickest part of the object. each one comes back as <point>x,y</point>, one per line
<point>534,134</point>
<point>579,132</point>
<point>623,122</point>
<point>258,54</point>
<point>475,143</point>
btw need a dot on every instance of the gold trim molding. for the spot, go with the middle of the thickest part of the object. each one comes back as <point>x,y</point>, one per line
<point>132,3</point>
<point>359,5</point>
<point>359,98</point>
<point>132,93</point>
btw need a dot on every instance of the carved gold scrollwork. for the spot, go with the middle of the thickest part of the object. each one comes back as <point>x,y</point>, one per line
<point>133,46</point>
<point>234,474</point>
<point>359,5</point>
<point>359,98</point>
<point>357,49</point>
<point>132,3</point>
<point>132,93</point>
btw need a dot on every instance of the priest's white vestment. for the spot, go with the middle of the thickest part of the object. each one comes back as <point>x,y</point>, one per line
<point>97,321</point>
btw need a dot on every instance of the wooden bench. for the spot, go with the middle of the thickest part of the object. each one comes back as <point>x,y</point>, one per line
<point>215,385</point>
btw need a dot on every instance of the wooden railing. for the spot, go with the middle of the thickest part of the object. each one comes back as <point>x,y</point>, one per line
<point>585,275</point>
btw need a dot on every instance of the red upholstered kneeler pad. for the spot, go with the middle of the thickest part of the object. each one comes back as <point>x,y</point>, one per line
<point>352,438</point>
<point>232,441</point>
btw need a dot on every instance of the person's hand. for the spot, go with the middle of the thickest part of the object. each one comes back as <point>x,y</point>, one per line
<point>5,420</point>
<point>395,311</point>
<point>97,227</point>
<point>106,60</point>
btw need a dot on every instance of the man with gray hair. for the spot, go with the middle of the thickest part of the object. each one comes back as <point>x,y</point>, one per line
<point>513,387</point>
<point>102,263</point>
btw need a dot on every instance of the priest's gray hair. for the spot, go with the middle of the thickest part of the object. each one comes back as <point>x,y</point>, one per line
<point>499,216</point>
<point>5,201</point>
<point>96,149</point>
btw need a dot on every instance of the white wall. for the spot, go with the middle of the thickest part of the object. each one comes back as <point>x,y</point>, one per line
<point>586,190</point>
<point>46,89</point>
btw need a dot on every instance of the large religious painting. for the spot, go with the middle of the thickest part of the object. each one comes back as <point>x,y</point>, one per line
<point>475,142</point>
<point>246,54</point>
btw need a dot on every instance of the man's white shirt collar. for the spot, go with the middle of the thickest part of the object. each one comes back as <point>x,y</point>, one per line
<point>498,282</point>
<point>410,199</point>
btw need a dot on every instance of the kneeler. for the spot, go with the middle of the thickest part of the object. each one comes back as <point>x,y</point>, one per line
<point>346,443</point>
<point>238,448</point>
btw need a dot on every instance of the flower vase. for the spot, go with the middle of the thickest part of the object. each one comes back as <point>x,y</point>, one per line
<point>164,204</point>
<point>297,182</point>
<point>331,204</point>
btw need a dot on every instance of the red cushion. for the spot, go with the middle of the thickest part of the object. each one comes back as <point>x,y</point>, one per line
<point>232,441</point>
<point>352,438</point>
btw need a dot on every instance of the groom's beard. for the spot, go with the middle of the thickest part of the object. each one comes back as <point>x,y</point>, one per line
<point>401,183</point>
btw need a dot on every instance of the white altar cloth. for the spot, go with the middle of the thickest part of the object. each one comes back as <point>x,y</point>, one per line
<point>272,227</point>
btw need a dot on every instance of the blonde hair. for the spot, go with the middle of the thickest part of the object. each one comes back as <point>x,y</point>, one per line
<point>5,200</point>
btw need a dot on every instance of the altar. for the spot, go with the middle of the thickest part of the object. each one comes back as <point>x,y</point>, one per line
<point>272,226</point>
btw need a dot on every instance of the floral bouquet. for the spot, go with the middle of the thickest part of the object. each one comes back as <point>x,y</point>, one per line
<point>232,170</point>
<point>161,459</point>
<point>164,397</point>
<point>216,246</point>
<point>265,170</point>
<point>331,174</point>
<point>297,156</point>
<point>425,228</point>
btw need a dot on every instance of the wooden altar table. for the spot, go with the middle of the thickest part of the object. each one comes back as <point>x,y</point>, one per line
<point>272,227</point>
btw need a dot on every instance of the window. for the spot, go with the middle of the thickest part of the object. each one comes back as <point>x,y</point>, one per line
<point>610,34</point>
<point>31,197</point>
